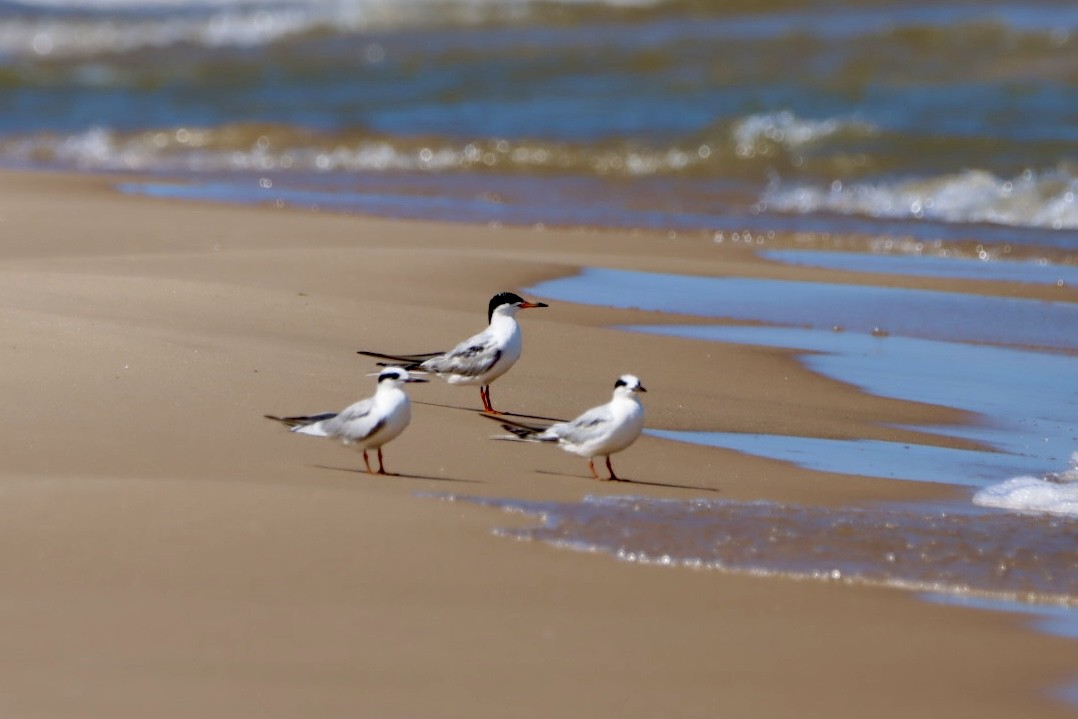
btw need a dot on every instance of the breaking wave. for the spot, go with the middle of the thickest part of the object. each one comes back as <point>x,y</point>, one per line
<point>725,149</point>
<point>753,134</point>
<point>260,147</point>
<point>84,28</point>
<point>1033,199</point>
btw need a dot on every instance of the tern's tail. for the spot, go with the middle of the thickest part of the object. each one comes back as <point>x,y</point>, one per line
<point>520,430</point>
<point>310,424</point>
<point>408,362</point>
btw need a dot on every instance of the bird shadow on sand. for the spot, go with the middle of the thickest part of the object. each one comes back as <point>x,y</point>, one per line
<point>623,481</point>
<point>488,414</point>
<point>395,475</point>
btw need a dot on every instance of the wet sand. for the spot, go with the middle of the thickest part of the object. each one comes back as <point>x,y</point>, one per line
<point>168,552</point>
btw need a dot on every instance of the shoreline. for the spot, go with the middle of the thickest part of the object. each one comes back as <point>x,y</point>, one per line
<point>210,561</point>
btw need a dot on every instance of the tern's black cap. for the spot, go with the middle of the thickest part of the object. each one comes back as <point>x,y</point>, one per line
<point>392,373</point>
<point>508,298</point>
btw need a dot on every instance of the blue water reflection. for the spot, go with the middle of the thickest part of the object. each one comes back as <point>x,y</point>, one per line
<point>866,457</point>
<point>1030,271</point>
<point>927,314</point>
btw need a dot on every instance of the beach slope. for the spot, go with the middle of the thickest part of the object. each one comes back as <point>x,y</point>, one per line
<point>167,552</point>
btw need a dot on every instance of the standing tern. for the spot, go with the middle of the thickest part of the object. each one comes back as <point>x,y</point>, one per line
<point>478,360</point>
<point>599,432</point>
<point>367,424</point>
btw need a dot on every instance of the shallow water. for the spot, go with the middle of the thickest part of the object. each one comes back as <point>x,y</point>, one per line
<point>1057,620</point>
<point>867,457</point>
<point>1005,556</point>
<point>855,308</point>
<point>1040,272</point>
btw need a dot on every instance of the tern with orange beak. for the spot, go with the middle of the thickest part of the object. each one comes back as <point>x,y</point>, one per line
<point>478,360</point>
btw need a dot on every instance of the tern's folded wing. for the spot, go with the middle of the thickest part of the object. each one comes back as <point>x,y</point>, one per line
<point>357,422</point>
<point>589,426</point>
<point>471,358</point>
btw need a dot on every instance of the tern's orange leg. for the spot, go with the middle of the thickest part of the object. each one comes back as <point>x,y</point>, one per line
<point>484,394</point>
<point>381,467</point>
<point>591,466</point>
<point>367,462</point>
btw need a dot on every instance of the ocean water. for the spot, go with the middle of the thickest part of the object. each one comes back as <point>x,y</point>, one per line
<point>945,121</point>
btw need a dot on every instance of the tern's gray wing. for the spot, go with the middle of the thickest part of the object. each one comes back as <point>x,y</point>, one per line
<point>356,422</point>
<point>589,426</point>
<point>471,358</point>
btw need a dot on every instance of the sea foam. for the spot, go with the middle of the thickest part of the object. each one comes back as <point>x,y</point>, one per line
<point>1047,199</point>
<point>787,129</point>
<point>1053,494</point>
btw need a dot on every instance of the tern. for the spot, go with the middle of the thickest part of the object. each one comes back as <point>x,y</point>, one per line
<point>478,360</point>
<point>367,424</point>
<point>599,432</point>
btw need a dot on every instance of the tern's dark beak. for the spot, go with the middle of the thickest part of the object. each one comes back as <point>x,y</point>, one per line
<point>641,388</point>
<point>416,379</point>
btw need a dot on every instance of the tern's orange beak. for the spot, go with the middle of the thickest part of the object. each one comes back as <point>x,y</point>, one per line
<point>531,305</point>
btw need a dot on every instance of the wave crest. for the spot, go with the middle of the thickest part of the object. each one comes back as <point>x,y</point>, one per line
<point>268,147</point>
<point>755,134</point>
<point>85,28</point>
<point>1032,199</point>
<point>211,23</point>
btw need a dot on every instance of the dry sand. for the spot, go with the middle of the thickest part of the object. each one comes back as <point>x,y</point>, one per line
<point>166,552</point>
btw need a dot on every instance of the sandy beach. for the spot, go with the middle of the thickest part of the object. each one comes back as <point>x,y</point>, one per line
<point>167,552</point>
